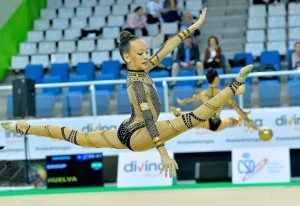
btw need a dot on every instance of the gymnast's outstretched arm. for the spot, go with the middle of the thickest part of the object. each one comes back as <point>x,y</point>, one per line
<point>173,42</point>
<point>195,97</point>
<point>234,105</point>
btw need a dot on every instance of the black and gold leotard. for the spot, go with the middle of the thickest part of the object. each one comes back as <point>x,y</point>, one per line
<point>215,120</point>
<point>145,103</point>
<point>145,106</point>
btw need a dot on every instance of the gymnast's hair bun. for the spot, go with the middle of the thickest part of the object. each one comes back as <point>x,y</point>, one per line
<point>124,35</point>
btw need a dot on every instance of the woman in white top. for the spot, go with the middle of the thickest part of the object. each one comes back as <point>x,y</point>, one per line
<point>213,54</point>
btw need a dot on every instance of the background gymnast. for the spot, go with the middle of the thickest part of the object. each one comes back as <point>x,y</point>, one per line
<point>215,123</point>
<point>141,131</point>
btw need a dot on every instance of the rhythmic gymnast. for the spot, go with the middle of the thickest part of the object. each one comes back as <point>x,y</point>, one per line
<point>215,123</point>
<point>141,131</point>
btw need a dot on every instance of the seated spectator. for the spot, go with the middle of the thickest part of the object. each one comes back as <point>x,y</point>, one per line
<point>136,23</point>
<point>187,20</point>
<point>296,59</point>
<point>154,11</point>
<point>187,57</point>
<point>213,54</point>
<point>170,11</point>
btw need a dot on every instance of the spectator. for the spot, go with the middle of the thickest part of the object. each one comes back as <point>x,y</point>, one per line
<point>296,58</point>
<point>213,54</point>
<point>154,11</point>
<point>186,22</point>
<point>136,23</point>
<point>170,11</point>
<point>187,57</point>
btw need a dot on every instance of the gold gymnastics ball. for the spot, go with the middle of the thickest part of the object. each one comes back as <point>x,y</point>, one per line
<point>265,133</point>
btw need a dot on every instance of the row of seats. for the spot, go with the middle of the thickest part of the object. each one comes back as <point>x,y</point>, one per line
<point>274,10</point>
<point>36,72</point>
<point>20,62</point>
<point>95,22</point>
<point>269,94</point>
<point>85,45</point>
<point>273,22</point>
<point>272,35</point>
<point>104,8</point>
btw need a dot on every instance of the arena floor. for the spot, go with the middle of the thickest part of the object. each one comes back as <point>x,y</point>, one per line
<point>210,194</point>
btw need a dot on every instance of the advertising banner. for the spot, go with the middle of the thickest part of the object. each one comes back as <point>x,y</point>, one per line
<point>141,169</point>
<point>285,123</point>
<point>260,165</point>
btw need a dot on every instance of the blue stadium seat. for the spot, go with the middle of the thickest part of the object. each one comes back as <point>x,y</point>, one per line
<point>61,70</point>
<point>87,69</point>
<point>167,62</point>
<point>236,70</point>
<point>269,93</point>
<point>183,92</point>
<point>9,106</point>
<point>111,67</point>
<point>246,96</point>
<point>72,102</point>
<point>248,57</point>
<point>102,102</point>
<point>44,104</point>
<point>35,72</point>
<point>124,76</point>
<point>79,78</point>
<point>160,92</point>
<point>290,59</point>
<point>220,71</point>
<point>294,91</point>
<point>52,79</point>
<point>123,102</point>
<point>270,57</point>
<point>110,87</point>
<point>183,73</point>
<point>159,74</point>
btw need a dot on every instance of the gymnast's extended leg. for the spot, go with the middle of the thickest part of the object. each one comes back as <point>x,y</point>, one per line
<point>169,129</point>
<point>225,122</point>
<point>105,138</point>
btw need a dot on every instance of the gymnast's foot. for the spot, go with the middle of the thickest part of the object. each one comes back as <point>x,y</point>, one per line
<point>241,77</point>
<point>19,127</point>
<point>237,86</point>
<point>175,111</point>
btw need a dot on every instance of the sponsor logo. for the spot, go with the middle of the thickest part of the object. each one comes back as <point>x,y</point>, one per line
<point>89,127</point>
<point>285,120</point>
<point>62,179</point>
<point>96,165</point>
<point>145,166</point>
<point>248,167</point>
<point>56,166</point>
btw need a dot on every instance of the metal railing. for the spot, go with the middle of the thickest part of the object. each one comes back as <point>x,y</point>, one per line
<point>164,81</point>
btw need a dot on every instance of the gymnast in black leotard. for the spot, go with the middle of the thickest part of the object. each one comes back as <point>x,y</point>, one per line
<point>142,131</point>
<point>215,123</point>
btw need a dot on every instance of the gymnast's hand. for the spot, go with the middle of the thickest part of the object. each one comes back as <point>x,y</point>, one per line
<point>200,21</point>
<point>168,164</point>
<point>181,102</point>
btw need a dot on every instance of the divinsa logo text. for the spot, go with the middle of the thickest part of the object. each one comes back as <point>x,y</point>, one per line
<point>145,166</point>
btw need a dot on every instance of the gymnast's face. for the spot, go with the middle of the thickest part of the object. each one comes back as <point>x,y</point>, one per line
<point>137,58</point>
